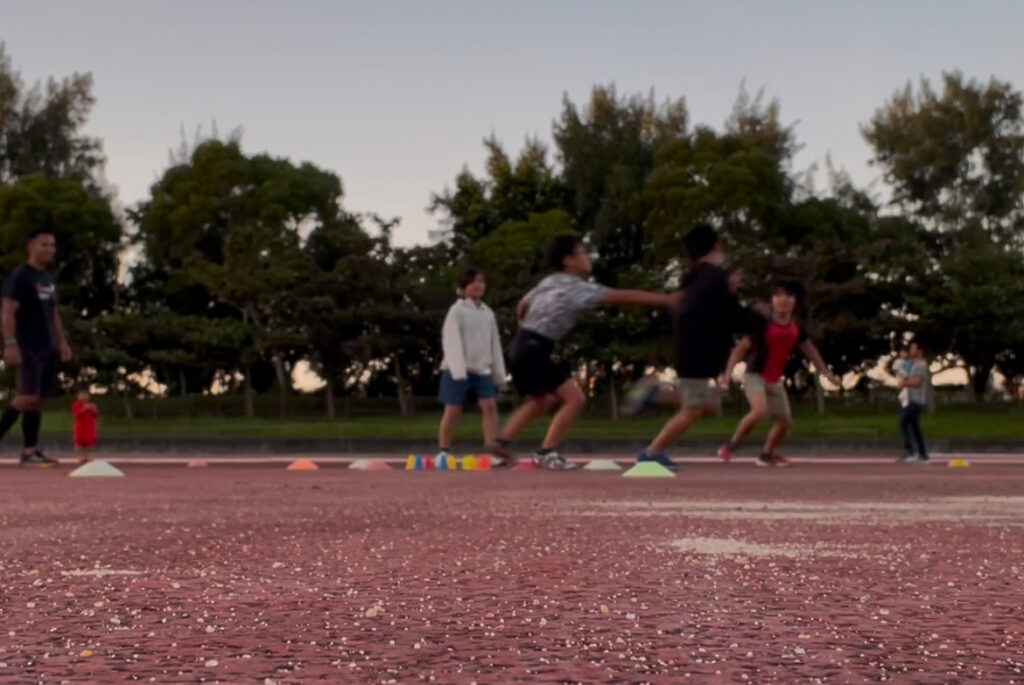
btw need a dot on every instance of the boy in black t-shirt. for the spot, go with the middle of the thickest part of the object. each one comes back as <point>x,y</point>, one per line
<point>33,341</point>
<point>706,322</point>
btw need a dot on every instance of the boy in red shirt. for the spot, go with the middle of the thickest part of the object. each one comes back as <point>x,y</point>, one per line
<point>767,350</point>
<point>85,413</point>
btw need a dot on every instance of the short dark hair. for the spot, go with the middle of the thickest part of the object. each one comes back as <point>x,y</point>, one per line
<point>700,241</point>
<point>564,245</point>
<point>789,286</point>
<point>468,276</point>
<point>36,232</point>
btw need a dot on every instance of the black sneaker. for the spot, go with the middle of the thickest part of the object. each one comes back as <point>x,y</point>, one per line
<point>37,458</point>
<point>552,461</point>
<point>657,458</point>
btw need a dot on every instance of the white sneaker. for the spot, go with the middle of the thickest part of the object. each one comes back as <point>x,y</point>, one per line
<point>552,461</point>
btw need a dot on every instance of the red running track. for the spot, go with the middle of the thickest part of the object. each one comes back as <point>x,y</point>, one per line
<point>822,573</point>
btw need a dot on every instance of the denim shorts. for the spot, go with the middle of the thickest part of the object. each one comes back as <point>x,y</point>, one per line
<point>458,393</point>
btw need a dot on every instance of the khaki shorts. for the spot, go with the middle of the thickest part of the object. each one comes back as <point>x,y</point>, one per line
<point>775,394</point>
<point>699,392</point>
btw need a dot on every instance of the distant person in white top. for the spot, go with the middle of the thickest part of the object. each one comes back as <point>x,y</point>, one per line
<point>901,368</point>
<point>915,382</point>
<point>473,364</point>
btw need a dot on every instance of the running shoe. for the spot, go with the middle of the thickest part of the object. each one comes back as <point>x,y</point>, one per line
<point>918,459</point>
<point>552,461</point>
<point>657,458</point>
<point>773,461</point>
<point>725,453</point>
<point>37,458</point>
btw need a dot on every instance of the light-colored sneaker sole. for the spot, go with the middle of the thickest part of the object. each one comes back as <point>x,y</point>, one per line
<point>544,467</point>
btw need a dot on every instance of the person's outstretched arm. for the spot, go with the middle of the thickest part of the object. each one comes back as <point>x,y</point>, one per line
<point>810,351</point>
<point>740,351</point>
<point>639,297</point>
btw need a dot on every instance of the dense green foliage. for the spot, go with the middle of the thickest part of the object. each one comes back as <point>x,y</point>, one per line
<point>239,267</point>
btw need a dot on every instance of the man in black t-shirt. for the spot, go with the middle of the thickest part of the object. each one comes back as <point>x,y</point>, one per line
<point>33,341</point>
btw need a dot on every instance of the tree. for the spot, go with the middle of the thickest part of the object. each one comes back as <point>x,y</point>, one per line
<point>955,162</point>
<point>607,151</point>
<point>971,304</point>
<point>337,304</point>
<point>40,128</point>
<point>223,237</point>
<point>510,191</point>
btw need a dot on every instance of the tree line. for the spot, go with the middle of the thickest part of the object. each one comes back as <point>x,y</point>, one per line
<point>238,266</point>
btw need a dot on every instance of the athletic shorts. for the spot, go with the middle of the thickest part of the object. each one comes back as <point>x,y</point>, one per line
<point>699,393</point>
<point>774,393</point>
<point>38,374</point>
<point>458,393</point>
<point>534,372</point>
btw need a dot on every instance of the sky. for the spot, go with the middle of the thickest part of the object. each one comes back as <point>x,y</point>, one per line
<point>396,96</point>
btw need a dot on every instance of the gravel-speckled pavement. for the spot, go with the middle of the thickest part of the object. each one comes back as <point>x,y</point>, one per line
<point>820,573</point>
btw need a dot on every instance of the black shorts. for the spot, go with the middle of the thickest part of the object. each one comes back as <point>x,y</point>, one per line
<point>38,374</point>
<point>534,372</point>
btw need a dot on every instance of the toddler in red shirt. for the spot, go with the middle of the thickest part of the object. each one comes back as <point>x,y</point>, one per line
<point>84,413</point>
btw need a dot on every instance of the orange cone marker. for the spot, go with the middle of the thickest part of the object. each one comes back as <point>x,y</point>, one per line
<point>303,465</point>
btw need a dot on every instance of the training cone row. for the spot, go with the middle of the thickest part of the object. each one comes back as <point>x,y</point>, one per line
<point>415,462</point>
<point>959,463</point>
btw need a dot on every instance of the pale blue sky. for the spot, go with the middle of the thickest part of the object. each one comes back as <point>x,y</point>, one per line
<point>395,96</point>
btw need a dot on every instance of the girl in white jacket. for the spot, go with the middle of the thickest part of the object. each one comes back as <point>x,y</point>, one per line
<point>473,362</point>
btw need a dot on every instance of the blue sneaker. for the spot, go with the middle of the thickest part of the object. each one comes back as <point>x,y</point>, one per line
<point>657,458</point>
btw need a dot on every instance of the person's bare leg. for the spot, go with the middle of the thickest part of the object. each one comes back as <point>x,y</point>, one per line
<point>531,409</point>
<point>676,427</point>
<point>758,411</point>
<point>446,431</point>
<point>777,434</point>
<point>27,404</point>
<point>572,404</point>
<point>489,421</point>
